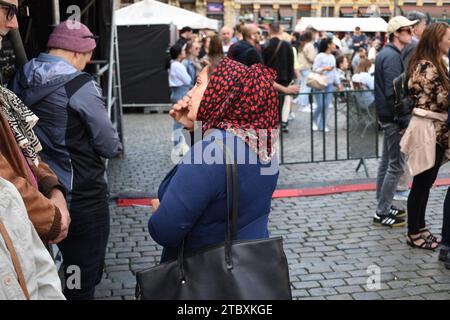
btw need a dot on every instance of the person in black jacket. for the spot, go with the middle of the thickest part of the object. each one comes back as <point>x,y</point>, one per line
<point>278,55</point>
<point>388,66</point>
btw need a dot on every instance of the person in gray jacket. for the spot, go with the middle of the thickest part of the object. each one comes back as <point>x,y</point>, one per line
<point>388,66</point>
<point>417,31</point>
<point>75,133</point>
<point>27,270</point>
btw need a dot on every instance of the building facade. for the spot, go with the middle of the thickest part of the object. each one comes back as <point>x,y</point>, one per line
<point>287,12</point>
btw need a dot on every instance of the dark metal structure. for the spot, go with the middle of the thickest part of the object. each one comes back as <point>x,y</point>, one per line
<point>37,20</point>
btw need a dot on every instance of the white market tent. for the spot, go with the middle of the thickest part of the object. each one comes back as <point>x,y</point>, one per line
<point>342,24</point>
<point>151,12</point>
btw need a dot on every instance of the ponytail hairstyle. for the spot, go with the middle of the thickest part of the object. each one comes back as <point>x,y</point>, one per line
<point>174,53</point>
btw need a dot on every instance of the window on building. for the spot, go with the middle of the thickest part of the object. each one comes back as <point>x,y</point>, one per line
<point>327,11</point>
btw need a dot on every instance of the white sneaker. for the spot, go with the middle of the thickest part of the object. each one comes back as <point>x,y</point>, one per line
<point>327,129</point>
<point>315,127</point>
<point>291,116</point>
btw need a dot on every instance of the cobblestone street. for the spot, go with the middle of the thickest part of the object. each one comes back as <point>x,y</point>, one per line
<point>329,240</point>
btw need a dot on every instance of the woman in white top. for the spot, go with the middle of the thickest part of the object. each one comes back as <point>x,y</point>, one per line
<point>180,83</point>
<point>365,81</point>
<point>325,63</point>
<point>306,56</point>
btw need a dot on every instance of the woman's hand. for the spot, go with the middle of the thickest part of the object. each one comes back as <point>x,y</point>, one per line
<point>154,205</point>
<point>180,111</point>
<point>327,68</point>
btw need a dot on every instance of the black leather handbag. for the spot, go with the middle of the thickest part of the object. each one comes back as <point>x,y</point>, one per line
<point>232,270</point>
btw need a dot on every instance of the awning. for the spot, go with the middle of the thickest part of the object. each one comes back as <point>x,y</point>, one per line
<point>347,11</point>
<point>434,11</point>
<point>286,12</point>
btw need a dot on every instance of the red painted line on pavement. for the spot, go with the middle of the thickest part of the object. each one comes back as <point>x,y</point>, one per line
<point>290,193</point>
<point>320,191</point>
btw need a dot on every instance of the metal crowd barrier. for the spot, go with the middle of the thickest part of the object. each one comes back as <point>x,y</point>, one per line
<point>352,128</point>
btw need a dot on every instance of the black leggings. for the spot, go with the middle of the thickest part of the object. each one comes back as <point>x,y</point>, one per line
<point>420,191</point>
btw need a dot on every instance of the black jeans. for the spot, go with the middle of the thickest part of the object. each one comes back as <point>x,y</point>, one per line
<point>446,221</point>
<point>420,191</point>
<point>85,248</point>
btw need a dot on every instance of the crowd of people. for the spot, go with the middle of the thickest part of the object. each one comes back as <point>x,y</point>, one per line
<point>55,130</point>
<point>412,49</point>
<point>345,59</point>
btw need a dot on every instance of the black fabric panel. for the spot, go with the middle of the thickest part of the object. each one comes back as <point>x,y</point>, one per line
<point>142,52</point>
<point>76,83</point>
<point>36,28</point>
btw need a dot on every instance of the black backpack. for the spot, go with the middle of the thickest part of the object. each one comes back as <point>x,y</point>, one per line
<point>403,104</point>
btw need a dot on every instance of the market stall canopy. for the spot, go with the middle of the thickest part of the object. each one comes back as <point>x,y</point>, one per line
<point>150,12</point>
<point>342,24</point>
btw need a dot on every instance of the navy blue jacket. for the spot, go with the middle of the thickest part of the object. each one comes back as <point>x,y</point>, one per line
<point>193,199</point>
<point>74,133</point>
<point>245,53</point>
<point>388,66</point>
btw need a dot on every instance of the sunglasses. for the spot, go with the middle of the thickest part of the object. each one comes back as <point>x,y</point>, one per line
<point>408,30</point>
<point>12,9</point>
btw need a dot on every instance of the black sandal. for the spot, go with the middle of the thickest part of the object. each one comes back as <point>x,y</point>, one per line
<point>430,237</point>
<point>426,244</point>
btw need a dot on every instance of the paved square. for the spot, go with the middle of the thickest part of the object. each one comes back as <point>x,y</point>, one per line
<point>329,240</point>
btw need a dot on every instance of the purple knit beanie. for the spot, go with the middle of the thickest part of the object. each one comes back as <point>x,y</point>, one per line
<point>72,36</point>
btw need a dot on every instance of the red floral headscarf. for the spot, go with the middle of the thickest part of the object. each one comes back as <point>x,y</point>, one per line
<point>243,101</point>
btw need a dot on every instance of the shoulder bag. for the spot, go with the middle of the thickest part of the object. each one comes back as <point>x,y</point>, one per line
<point>232,270</point>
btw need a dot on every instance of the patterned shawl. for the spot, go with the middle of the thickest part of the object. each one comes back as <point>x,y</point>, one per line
<point>21,121</point>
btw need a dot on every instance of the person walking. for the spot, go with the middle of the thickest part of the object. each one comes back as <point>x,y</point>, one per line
<point>237,105</point>
<point>76,133</point>
<point>325,63</point>
<point>306,56</point>
<point>388,66</point>
<point>429,88</point>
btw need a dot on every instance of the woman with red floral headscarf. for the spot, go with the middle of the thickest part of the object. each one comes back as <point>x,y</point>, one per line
<point>238,105</point>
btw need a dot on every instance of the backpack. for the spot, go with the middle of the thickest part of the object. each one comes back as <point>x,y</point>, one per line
<point>403,104</point>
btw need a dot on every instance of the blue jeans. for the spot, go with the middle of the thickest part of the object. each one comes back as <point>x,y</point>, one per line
<point>303,98</point>
<point>323,105</point>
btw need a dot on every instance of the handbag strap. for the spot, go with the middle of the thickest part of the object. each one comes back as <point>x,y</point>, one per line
<point>232,211</point>
<point>272,58</point>
<point>15,260</point>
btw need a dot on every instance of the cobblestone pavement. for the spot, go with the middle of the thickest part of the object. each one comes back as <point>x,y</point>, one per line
<point>329,240</point>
